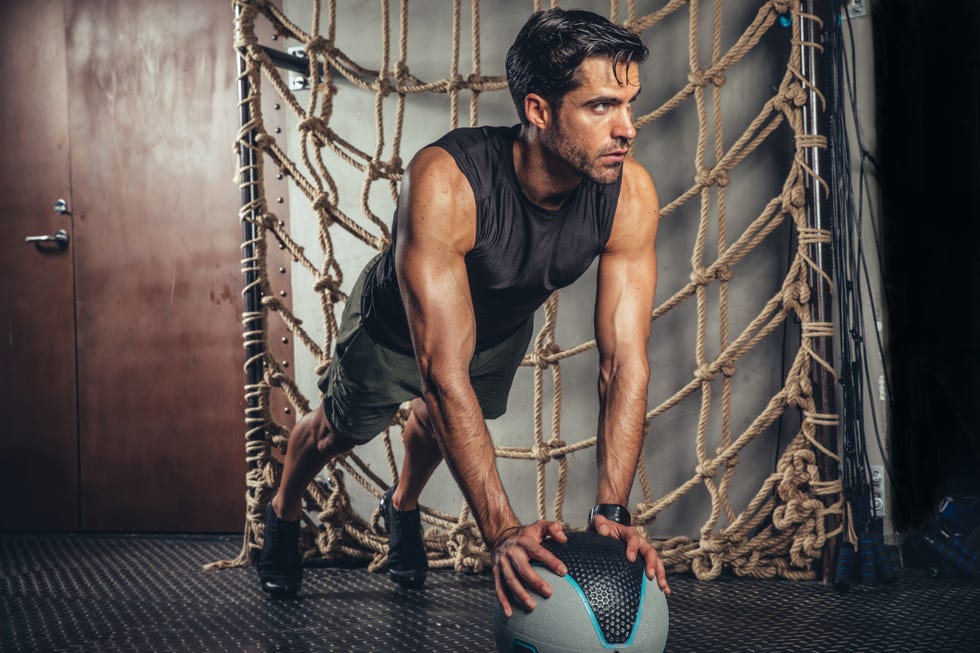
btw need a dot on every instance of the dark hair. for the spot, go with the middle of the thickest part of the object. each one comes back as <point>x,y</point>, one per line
<point>549,48</point>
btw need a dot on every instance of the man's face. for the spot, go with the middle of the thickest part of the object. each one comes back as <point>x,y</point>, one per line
<point>593,127</point>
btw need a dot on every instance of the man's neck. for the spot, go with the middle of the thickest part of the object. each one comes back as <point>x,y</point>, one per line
<point>546,180</point>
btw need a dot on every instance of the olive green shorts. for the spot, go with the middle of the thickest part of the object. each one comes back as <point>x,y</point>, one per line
<point>366,382</point>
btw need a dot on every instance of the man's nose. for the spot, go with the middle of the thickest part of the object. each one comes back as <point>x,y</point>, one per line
<point>623,127</point>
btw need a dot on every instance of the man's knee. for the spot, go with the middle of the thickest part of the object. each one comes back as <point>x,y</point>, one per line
<point>316,430</point>
<point>421,413</point>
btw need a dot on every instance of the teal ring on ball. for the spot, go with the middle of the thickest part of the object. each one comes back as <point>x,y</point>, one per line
<point>605,603</point>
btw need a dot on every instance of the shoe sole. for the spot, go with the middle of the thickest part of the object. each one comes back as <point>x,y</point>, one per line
<point>410,581</point>
<point>278,592</point>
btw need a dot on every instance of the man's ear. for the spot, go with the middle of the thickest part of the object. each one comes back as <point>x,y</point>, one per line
<point>538,111</point>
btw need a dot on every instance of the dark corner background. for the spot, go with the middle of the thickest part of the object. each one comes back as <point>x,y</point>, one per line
<point>928,116</point>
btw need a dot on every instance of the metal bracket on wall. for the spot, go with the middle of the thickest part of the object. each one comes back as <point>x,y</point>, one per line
<point>297,80</point>
<point>856,8</point>
<point>878,494</point>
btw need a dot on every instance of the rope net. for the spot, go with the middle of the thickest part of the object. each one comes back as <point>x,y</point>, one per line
<point>787,522</point>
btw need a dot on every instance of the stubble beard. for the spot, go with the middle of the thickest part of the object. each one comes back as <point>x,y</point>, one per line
<point>582,162</point>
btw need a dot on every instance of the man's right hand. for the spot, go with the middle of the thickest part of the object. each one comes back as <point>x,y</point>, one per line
<point>512,556</point>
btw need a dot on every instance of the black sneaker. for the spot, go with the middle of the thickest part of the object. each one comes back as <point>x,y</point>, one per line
<point>407,563</point>
<point>280,564</point>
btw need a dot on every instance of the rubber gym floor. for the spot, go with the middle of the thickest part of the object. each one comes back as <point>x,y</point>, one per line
<point>151,593</point>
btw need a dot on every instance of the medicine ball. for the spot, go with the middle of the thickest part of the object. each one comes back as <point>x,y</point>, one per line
<point>605,603</point>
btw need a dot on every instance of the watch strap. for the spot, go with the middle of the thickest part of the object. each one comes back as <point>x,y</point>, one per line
<point>611,511</point>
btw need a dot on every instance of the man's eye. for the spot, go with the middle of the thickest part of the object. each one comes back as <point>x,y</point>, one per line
<point>601,107</point>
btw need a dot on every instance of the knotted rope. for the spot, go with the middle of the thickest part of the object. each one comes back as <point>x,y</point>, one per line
<point>782,529</point>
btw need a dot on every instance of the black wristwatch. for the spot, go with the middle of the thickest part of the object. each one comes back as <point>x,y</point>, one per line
<point>611,511</point>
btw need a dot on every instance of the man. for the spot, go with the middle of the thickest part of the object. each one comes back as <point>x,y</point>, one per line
<point>489,223</point>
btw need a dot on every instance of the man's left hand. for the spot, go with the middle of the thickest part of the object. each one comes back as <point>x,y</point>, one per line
<point>636,545</point>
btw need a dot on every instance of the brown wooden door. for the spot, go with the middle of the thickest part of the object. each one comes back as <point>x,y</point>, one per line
<point>39,437</point>
<point>149,101</point>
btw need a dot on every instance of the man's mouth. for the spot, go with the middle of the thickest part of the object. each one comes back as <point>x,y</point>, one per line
<point>616,156</point>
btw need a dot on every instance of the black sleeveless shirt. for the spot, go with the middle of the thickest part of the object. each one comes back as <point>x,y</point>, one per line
<point>522,252</point>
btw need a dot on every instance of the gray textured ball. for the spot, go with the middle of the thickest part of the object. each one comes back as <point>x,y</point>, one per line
<point>604,604</point>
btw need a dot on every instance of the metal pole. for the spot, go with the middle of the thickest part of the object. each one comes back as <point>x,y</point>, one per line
<point>818,217</point>
<point>253,294</point>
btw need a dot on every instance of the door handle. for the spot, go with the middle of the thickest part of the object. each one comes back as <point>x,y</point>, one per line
<point>59,238</point>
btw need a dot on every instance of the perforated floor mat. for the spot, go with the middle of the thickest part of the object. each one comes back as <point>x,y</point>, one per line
<point>89,593</point>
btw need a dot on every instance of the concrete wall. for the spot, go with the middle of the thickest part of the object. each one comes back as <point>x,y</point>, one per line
<point>667,149</point>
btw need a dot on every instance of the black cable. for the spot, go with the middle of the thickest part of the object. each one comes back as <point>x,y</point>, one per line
<point>864,192</point>
<point>849,262</point>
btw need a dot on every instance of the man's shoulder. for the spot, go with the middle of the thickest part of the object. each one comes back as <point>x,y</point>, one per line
<point>434,167</point>
<point>638,210</point>
<point>635,172</point>
<point>637,182</point>
<point>433,174</point>
<point>471,153</point>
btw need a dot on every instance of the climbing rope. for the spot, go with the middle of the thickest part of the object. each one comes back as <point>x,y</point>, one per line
<point>786,524</point>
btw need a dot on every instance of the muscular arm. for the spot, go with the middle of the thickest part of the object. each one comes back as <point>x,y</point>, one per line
<point>624,303</point>
<point>436,227</point>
